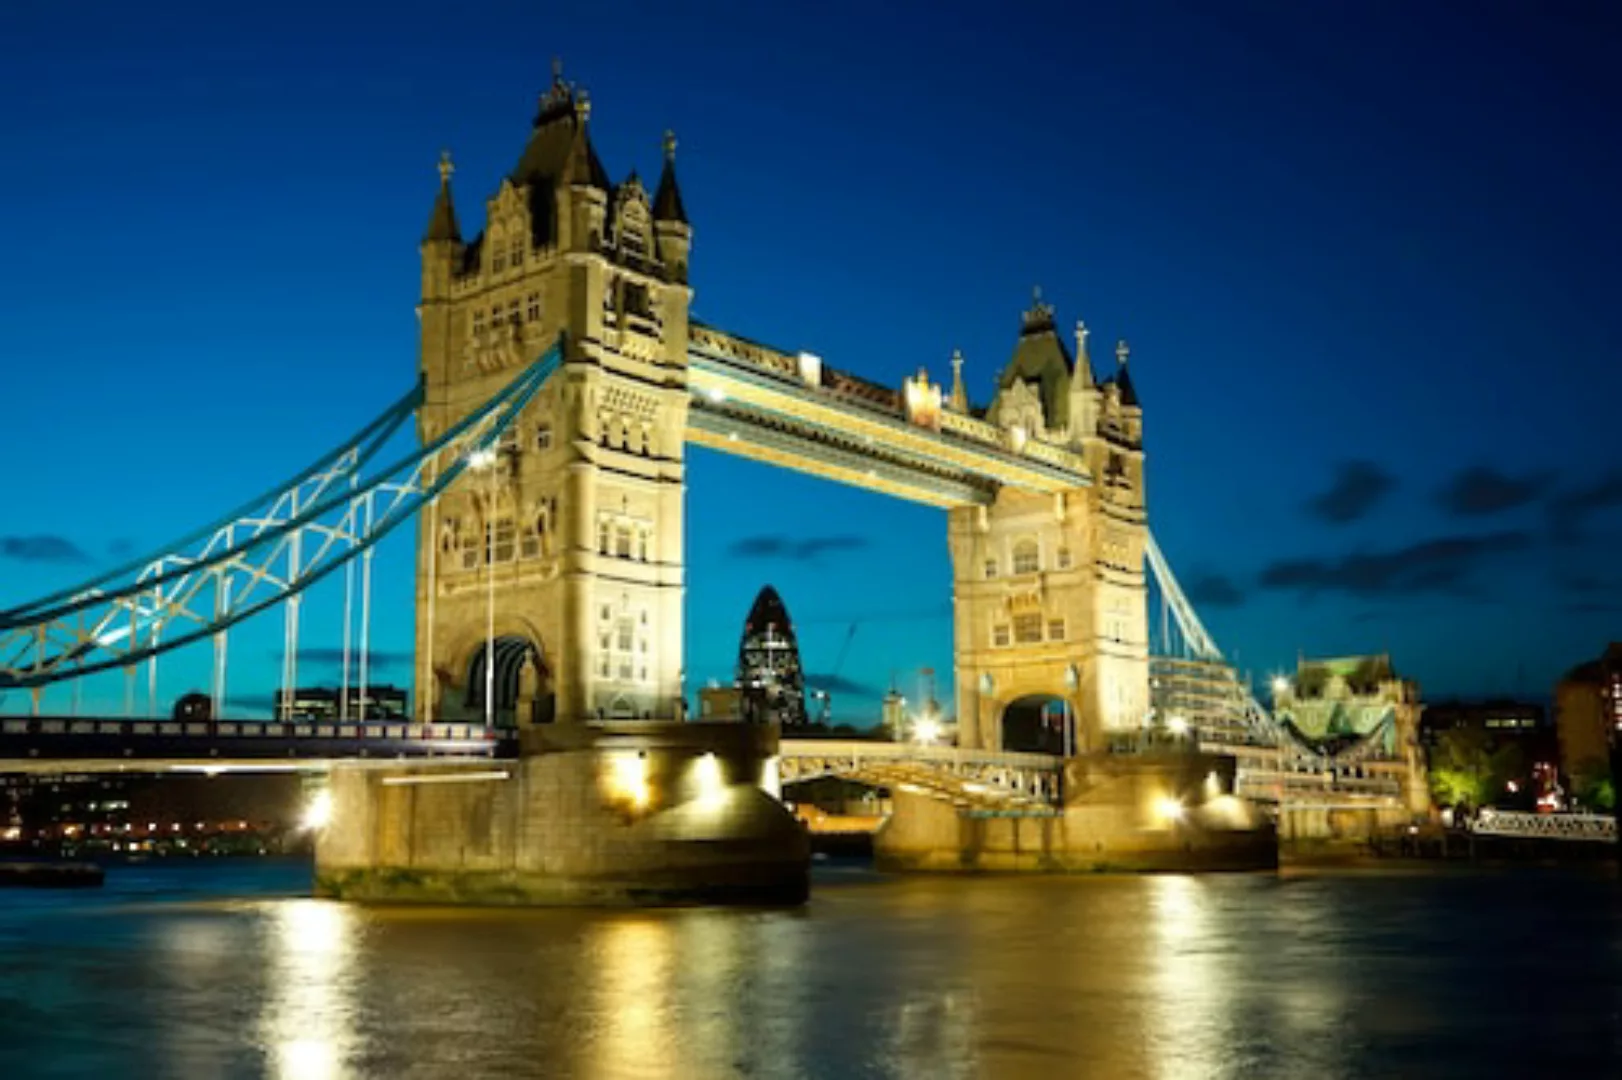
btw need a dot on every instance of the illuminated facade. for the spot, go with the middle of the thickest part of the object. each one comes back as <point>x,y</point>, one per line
<point>567,546</point>
<point>1049,591</point>
<point>770,680</point>
<point>565,550</point>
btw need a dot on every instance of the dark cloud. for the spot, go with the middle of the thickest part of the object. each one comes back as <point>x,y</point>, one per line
<point>1570,510</point>
<point>1357,487</point>
<point>378,660</point>
<point>1481,490</point>
<point>1213,590</point>
<point>1591,607</point>
<point>1443,565</point>
<point>839,684</point>
<point>799,549</point>
<point>40,548</point>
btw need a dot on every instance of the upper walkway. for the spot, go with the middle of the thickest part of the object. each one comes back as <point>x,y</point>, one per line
<point>796,412</point>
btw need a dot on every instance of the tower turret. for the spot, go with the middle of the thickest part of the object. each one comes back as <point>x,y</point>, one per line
<point>674,231</point>
<point>442,241</point>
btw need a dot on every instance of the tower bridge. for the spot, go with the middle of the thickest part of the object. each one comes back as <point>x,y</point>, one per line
<point>561,378</point>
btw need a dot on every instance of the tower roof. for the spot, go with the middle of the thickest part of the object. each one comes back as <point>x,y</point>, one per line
<point>560,146</point>
<point>1123,378</point>
<point>1041,357</point>
<point>442,222</point>
<point>667,205</point>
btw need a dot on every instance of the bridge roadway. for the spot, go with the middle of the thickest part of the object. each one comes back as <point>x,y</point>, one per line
<point>46,744</point>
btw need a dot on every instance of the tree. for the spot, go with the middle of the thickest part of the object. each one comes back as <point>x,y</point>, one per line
<point>1468,769</point>
<point>1592,784</point>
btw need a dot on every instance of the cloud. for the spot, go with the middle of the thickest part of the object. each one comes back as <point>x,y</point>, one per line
<point>1442,565</point>
<point>801,549</point>
<point>1569,511</point>
<point>1213,591</point>
<point>839,684</point>
<point>1481,490</point>
<point>40,548</point>
<point>1357,487</point>
<point>120,548</point>
<point>377,660</point>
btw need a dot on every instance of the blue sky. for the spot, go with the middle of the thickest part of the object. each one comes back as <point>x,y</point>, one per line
<point>1367,257</point>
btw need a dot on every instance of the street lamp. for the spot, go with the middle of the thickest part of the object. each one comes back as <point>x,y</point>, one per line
<point>484,460</point>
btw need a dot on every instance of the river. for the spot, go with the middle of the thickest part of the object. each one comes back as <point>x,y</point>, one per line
<point>230,970</point>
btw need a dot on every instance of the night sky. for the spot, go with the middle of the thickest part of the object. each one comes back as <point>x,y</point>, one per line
<point>1368,256</point>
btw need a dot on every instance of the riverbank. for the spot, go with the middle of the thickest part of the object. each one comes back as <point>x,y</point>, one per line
<point>50,875</point>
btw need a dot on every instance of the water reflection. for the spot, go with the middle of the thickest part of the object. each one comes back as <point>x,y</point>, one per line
<point>633,992</point>
<point>307,1027</point>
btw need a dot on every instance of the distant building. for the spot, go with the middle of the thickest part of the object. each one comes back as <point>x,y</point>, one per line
<point>321,703</point>
<point>1588,714</point>
<point>1357,712</point>
<point>1501,723</point>
<point>770,681</point>
<point>720,703</point>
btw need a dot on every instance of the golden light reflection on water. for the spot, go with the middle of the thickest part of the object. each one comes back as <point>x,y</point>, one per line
<point>1190,989</point>
<point>633,998</point>
<point>307,1026</point>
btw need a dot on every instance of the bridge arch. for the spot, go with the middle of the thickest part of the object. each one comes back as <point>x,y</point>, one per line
<point>522,679</point>
<point>1038,723</point>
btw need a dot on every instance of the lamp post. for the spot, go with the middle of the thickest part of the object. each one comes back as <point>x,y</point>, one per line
<point>484,460</point>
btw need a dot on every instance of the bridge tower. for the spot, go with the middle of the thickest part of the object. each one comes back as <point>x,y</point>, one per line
<point>1049,591</point>
<point>565,550</point>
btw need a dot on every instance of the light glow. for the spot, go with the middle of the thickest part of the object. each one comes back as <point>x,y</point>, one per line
<point>1281,685</point>
<point>708,779</point>
<point>1168,809</point>
<point>628,779</point>
<point>481,459</point>
<point>1177,725</point>
<point>318,813</point>
<point>926,730</point>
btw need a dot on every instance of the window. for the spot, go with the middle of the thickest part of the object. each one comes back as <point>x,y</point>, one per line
<point>543,436</point>
<point>498,261</point>
<point>606,613</point>
<point>999,636</point>
<point>533,309</point>
<point>636,300</point>
<point>478,323</point>
<point>1055,629</point>
<point>622,542</point>
<point>505,537</point>
<point>1027,557</point>
<point>512,312</point>
<point>518,253</point>
<point>991,568</point>
<point>1064,558</point>
<point>1027,629</point>
<point>642,544</point>
<point>626,633</point>
<point>470,550</point>
<point>507,445</point>
<point>604,531</point>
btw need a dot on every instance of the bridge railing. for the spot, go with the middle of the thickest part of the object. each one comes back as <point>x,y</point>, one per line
<point>1599,828</point>
<point>860,750</point>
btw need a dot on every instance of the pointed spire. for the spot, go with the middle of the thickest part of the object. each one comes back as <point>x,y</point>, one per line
<point>667,204</point>
<point>959,401</point>
<point>442,223</point>
<point>1084,362</point>
<point>1123,381</point>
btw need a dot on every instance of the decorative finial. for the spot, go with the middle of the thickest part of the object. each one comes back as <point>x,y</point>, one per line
<point>1122,351</point>
<point>1081,338</point>
<point>670,145</point>
<point>1036,295</point>
<point>582,106</point>
<point>957,360</point>
<point>446,167</point>
<point>557,69</point>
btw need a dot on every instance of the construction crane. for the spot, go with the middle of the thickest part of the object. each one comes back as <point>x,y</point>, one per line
<point>825,696</point>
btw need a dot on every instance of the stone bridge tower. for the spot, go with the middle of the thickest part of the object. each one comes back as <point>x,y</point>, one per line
<point>1049,592</point>
<point>566,550</point>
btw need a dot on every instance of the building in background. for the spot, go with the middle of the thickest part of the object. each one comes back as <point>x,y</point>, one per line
<point>770,680</point>
<point>1202,699</point>
<point>1505,750</point>
<point>1587,716</point>
<point>321,703</point>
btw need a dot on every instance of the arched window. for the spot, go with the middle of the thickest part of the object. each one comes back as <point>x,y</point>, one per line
<point>1027,557</point>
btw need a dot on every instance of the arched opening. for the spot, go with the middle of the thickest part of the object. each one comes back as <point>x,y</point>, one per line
<point>1038,724</point>
<point>521,680</point>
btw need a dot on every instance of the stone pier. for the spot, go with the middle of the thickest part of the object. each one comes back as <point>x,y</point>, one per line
<point>613,813</point>
<point>1119,813</point>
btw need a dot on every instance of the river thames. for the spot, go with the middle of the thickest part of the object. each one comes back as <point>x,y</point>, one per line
<point>227,971</point>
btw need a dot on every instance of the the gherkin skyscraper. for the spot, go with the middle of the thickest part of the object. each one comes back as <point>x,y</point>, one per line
<point>770,678</point>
